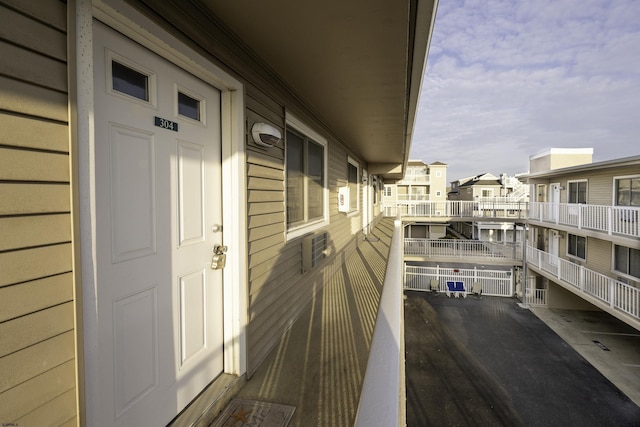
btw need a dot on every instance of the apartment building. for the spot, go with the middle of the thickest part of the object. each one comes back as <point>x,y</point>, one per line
<point>423,182</point>
<point>170,174</point>
<point>492,192</point>
<point>583,244</point>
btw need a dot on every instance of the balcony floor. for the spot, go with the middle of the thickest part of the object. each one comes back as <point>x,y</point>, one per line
<point>319,364</point>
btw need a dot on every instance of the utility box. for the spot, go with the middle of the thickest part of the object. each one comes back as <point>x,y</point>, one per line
<point>343,199</point>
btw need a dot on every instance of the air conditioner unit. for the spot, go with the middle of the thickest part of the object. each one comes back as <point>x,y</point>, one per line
<point>343,199</point>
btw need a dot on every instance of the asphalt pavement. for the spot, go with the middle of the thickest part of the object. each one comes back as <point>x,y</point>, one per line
<point>486,361</point>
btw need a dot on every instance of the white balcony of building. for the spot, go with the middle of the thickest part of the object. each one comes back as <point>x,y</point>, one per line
<point>494,209</point>
<point>468,251</point>
<point>620,299</point>
<point>611,220</point>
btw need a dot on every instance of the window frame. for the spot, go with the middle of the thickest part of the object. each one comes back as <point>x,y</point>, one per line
<point>615,190</point>
<point>352,162</point>
<point>569,247</point>
<point>629,259</point>
<point>386,187</point>
<point>307,226</point>
<point>586,191</point>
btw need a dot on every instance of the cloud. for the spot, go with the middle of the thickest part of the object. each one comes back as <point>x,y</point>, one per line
<point>505,79</point>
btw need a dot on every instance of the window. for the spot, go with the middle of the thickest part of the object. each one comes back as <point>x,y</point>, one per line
<point>487,192</point>
<point>577,192</point>
<point>577,246</point>
<point>438,193</point>
<point>387,191</point>
<point>306,179</point>
<point>352,172</point>
<point>438,174</point>
<point>627,260</point>
<point>129,81</point>
<point>627,191</point>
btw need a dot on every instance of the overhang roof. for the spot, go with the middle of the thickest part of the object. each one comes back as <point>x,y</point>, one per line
<point>357,64</point>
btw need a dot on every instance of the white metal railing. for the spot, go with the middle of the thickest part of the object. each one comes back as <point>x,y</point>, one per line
<point>608,219</point>
<point>618,295</point>
<point>382,394</point>
<point>453,248</point>
<point>421,178</point>
<point>534,296</point>
<point>488,208</point>
<point>493,282</point>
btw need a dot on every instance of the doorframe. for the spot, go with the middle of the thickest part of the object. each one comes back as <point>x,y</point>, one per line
<point>128,21</point>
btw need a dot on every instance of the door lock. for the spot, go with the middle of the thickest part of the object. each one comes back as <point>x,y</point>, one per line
<point>219,258</point>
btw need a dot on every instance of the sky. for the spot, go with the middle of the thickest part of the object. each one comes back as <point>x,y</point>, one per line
<point>507,79</point>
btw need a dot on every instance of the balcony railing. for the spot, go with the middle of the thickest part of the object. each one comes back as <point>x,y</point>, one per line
<point>607,219</point>
<point>421,178</point>
<point>383,387</point>
<point>412,197</point>
<point>616,294</point>
<point>463,249</point>
<point>489,208</point>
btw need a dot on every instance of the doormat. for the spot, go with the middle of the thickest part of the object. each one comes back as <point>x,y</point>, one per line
<point>240,412</point>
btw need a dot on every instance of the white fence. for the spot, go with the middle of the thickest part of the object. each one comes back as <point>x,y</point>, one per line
<point>616,294</point>
<point>493,208</point>
<point>493,282</point>
<point>534,296</point>
<point>609,219</point>
<point>453,248</point>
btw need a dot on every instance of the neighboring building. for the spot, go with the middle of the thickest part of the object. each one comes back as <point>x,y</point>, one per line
<point>128,156</point>
<point>490,190</point>
<point>422,182</point>
<point>584,232</point>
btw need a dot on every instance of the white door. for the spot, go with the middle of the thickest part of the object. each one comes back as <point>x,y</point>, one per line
<point>158,200</point>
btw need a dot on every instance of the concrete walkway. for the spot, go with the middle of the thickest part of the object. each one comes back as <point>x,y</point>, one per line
<point>319,364</point>
<point>487,361</point>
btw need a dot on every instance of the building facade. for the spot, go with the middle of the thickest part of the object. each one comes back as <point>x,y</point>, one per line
<point>157,239</point>
<point>422,183</point>
<point>584,236</point>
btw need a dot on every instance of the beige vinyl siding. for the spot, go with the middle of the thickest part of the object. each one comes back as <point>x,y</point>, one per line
<point>37,309</point>
<point>278,289</point>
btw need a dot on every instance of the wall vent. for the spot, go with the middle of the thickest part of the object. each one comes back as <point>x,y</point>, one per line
<point>314,250</point>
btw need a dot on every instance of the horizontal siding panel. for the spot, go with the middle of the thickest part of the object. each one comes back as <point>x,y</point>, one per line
<point>265,208</point>
<point>267,219</point>
<point>33,67</point>
<point>261,108</point>
<point>265,159</point>
<point>254,183</point>
<point>28,297</point>
<point>266,231</point>
<point>31,34</point>
<point>27,99</point>
<point>289,252</point>
<point>21,399</point>
<point>23,132</point>
<point>53,13</point>
<point>30,231</point>
<point>265,196</point>
<point>26,165</point>
<point>35,360</point>
<point>55,412</point>
<point>265,172</point>
<point>30,264</point>
<point>260,257</point>
<point>36,327</point>
<point>272,243</point>
<point>34,198</point>
<point>261,275</point>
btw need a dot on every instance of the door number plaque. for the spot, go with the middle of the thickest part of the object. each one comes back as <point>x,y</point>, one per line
<point>166,124</point>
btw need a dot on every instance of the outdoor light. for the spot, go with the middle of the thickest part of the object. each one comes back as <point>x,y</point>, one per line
<point>265,135</point>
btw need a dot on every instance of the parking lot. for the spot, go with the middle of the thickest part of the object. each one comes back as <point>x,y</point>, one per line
<point>488,361</point>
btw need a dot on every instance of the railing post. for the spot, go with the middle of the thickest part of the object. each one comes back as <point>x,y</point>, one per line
<point>581,278</point>
<point>610,220</point>
<point>612,293</point>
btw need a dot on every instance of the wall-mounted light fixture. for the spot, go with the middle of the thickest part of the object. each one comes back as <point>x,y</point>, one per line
<point>265,135</point>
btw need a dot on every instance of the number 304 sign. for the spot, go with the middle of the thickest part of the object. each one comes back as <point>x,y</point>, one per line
<point>166,124</point>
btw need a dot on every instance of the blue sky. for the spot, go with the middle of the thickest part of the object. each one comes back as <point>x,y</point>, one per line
<point>508,79</point>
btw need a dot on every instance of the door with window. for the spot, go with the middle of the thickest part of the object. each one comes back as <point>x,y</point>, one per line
<point>158,203</point>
